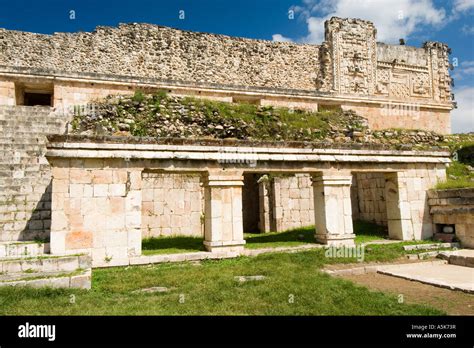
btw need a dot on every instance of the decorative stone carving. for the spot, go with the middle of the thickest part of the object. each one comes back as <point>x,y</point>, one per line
<point>420,84</point>
<point>383,81</point>
<point>439,70</point>
<point>352,45</point>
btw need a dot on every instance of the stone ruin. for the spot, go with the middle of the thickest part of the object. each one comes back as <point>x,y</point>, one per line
<point>101,196</point>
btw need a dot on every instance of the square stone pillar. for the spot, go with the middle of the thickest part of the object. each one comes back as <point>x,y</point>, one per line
<point>398,207</point>
<point>223,227</point>
<point>332,209</point>
<point>96,210</point>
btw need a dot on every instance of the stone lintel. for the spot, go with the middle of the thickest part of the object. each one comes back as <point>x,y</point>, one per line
<point>221,178</point>
<point>331,180</point>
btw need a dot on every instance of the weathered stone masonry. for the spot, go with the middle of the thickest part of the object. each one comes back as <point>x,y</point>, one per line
<point>97,191</point>
<point>392,86</point>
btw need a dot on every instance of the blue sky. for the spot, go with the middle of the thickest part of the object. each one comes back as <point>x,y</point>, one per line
<point>296,20</point>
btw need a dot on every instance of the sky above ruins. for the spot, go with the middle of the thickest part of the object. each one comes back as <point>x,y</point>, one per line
<point>283,20</point>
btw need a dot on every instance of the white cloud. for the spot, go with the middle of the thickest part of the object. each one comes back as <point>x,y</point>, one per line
<point>463,5</point>
<point>462,118</point>
<point>394,19</point>
<point>280,38</point>
<point>468,29</point>
<point>465,69</point>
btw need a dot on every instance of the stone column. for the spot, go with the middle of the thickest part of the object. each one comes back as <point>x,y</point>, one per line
<point>265,209</point>
<point>398,207</point>
<point>332,208</point>
<point>223,227</point>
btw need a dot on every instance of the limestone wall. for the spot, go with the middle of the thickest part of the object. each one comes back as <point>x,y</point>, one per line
<point>349,63</point>
<point>165,53</point>
<point>370,197</point>
<point>454,207</point>
<point>172,205</point>
<point>7,93</point>
<point>408,116</point>
<point>96,205</point>
<point>406,196</point>
<point>293,203</point>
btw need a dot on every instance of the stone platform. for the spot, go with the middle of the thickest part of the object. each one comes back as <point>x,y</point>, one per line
<point>439,274</point>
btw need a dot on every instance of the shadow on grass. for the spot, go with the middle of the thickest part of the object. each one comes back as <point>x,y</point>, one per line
<point>169,245</point>
<point>368,231</point>
<point>297,236</point>
<point>364,231</point>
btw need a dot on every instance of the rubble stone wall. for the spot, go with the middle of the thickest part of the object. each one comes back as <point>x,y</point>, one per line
<point>165,53</point>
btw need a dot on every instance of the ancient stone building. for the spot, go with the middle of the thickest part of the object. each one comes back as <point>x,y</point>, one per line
<point>137,194</point>
<point>392,86</point>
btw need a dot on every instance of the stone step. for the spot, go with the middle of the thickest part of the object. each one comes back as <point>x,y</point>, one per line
<point>33,123</point>
<point>14,139</point>
<point>20,116</point>
<point>25,167</point>
<point>463,257</point>
<point>21,147</point>
<point>45,263</point>
<point>79,278</point>
<point>430,246</point>
<point>33,126</point>
<point>15,250</point>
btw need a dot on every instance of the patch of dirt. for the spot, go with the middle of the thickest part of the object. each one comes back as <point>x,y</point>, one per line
<point>451,301</point>
<point>338,266</point>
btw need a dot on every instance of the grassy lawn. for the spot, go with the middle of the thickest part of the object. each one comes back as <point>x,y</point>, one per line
<point>298,236</point>
<point>210,289</point>
<point>171,245</point>
<point>458,173</point>
<point>458,176</point>
<point>366,232</point>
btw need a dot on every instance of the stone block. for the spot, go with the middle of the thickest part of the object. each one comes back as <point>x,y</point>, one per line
<point>101,190</point>
<point>76,190</point>
<point>102,176</point>
<point>78,240</point>
<point>117,190</point>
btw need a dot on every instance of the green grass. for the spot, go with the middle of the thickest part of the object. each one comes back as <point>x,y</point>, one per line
<point>368,231</point>
<point>171,245</point>
<point>299,236</point>
<point>364,231</point>
<point>458,176</point>
<point>454,184</point>
<point>248,121</point>
<point>210,289</point>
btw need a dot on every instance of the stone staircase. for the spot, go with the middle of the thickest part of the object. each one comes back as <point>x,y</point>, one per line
<point>25,193</point>
<point>29,264</point>
<point>462,257</point>
<point>25,203</point>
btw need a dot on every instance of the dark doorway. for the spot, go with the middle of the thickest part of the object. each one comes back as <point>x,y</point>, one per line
<point>250,203</point>
<point>33,99</point>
